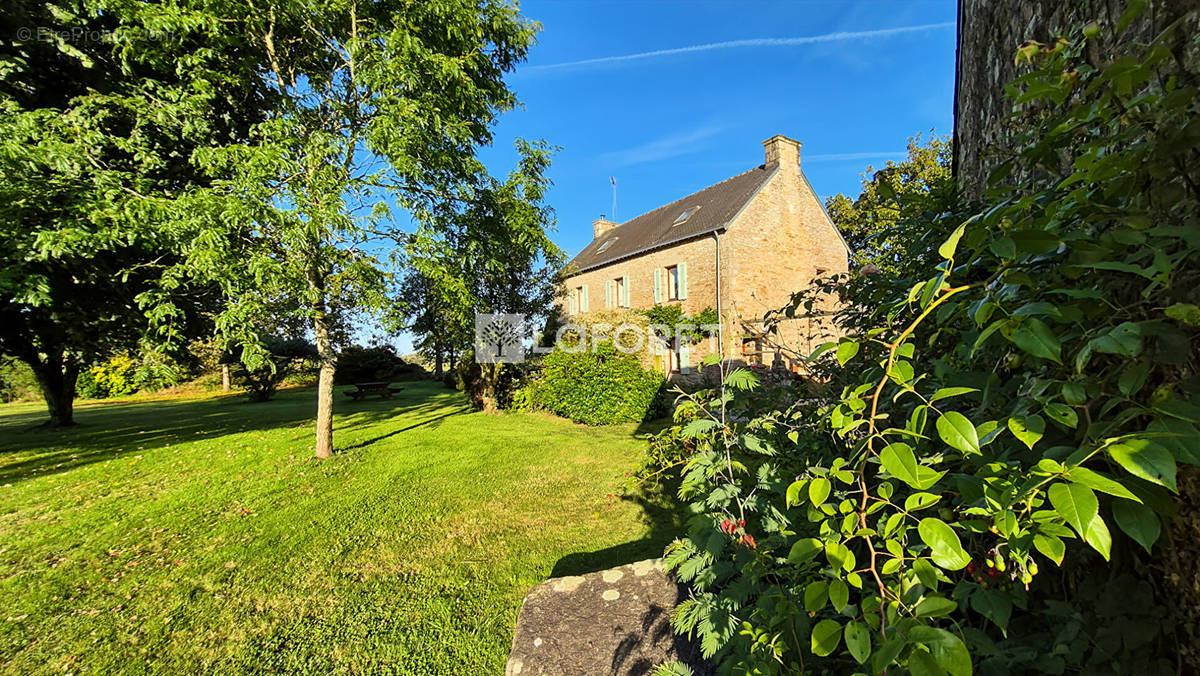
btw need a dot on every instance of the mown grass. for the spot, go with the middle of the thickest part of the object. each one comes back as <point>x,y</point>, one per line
<point>197,534</point>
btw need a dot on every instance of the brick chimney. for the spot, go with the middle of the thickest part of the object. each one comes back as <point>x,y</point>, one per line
<point>602,225</point>
<point>783,150</point>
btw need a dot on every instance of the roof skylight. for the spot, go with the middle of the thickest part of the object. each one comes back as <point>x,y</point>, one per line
<point>685,215</point>
<point>606,245</point>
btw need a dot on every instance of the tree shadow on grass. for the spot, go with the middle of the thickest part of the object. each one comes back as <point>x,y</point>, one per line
<point>112,430</point>
<point>662,511</point>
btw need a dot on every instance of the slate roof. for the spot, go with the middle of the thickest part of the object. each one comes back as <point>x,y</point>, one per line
<point>718,205</point>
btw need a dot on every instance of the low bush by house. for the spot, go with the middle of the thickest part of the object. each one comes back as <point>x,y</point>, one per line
<point>594,387</point>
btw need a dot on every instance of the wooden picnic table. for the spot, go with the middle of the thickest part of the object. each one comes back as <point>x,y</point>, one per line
<point>383,389</point>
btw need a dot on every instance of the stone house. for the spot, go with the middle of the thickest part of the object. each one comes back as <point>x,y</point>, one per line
<point>741,247</point>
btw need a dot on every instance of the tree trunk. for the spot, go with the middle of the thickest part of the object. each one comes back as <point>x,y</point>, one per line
<point>437,360</point>
<point>56,376</point>
<point>489,377</point>
<point>328,362</point>
<point>989,34</point>
<point>224,377</point>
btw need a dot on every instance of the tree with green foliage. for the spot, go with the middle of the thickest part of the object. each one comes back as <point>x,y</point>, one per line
<point>287,356</point>
<point>437,336</point>
<point>992,433</point>
<point>93,129</point>
<point>489,252</point>
<point>873,223</point>
<point>381,104</point>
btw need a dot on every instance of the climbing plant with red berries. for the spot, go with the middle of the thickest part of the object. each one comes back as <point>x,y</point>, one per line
<point>1026,403</point>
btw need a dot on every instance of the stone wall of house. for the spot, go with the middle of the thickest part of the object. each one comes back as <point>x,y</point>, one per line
<point>773,248</point>
<point>700,258</point>
<point>780,242</point>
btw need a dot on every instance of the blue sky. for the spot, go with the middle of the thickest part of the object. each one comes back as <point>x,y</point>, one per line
<point>651,93</point>
<point>850,80</point>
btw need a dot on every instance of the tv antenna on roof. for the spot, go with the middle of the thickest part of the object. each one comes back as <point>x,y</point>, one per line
<point>613,180</point>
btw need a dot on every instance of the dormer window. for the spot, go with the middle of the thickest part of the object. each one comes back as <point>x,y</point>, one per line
<point>605,246</point>
<point>685,215</point>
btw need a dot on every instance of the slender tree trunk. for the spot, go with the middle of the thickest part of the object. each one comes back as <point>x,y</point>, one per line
<point>437,360</point>
<point>57,375</point>
<point>225,377</point>
<point>328,362</point>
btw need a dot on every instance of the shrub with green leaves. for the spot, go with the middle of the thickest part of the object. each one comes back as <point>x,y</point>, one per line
<point>991,430</point>
<point>17,381</point>
<point>599,386</point>
<point>285,357</point>
<point>115,377</point>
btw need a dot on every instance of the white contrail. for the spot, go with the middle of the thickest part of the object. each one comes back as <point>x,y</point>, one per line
<point>756,42</point>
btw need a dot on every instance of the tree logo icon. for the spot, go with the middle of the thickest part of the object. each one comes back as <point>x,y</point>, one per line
<point>499,338</point>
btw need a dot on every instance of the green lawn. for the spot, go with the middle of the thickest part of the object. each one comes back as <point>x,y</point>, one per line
<point>172,535</point>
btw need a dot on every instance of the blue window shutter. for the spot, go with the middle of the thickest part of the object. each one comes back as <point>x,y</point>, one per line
<point>625,291</point>
<point>658,290</point>
<point>685,358</point>
<point>683,280</point>
<point>608,294</point>
<point>583,300</point>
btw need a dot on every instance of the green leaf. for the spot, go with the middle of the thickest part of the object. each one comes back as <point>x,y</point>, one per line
<point>1124,339</point>
<point>839,555</point>
<point>946,250</point>
<point>839,595</point>
<point>886,655</point>
<point>699,426</point>
<point>1138,521</point>
<point>1100,482</point>
<point>1147,460</point>
<point>922,663</point>
<point>1051,546</point>
<point>994,605</point>
<point>1027,429</point>
<point>1184,312</point>
<point>919,501</point>
<point>1035,338</point>
<point>1133,377</point>
<point>947,649</point>
<point>846,351</point>
<point>926,573</point>
<point>947,392</point>
<point>818,490</point>
<point>1061,414</point>
<point>899,461</point>
<point>816,595</point>
<point>958,432</point>
<point>741,379</point>
<point>1035,241</point>
<point>934,606</point>
<point>1099,537</point>
<point>792,497</point>
<point>1076,504</point>
<point>1003,247</point>
<point>825,637</point>
<point>858,641</point>
<point>945,548</point>
<point>805,550</point>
